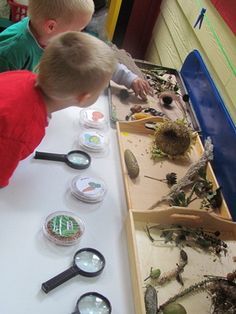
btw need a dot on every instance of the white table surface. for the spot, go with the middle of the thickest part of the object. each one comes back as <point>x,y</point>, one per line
<point>38,188</point>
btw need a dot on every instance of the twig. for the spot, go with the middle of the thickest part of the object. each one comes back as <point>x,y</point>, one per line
<point>161,180</point>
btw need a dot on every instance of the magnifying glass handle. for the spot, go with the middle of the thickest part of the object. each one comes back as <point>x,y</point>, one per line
<point>49,156</point>
<point>60,279</point>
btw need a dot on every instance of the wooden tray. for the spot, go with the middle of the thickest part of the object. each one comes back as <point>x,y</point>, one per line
<point>144,254</point>
<point>142,192</point>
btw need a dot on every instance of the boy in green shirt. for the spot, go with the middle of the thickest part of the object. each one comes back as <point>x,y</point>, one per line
<point>22,44</point>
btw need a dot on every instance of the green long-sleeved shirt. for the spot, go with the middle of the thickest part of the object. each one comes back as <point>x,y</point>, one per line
<point>18,48</point>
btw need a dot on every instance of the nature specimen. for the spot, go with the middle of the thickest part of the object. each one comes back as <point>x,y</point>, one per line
<point>150,298</point>
<point>172,139</point>
<point>131,164</point>
<point>157,278</point>
<point>194,184</point>
<point>160,81</point>
<point>220,289</point>
<point>182,236</point>
<point>170,179</point>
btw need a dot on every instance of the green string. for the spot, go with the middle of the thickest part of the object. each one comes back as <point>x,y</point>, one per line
<point>219,44</point>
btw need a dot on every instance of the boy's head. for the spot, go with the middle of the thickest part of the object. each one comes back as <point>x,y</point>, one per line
<point>52,17</point>
<point>76,67</point>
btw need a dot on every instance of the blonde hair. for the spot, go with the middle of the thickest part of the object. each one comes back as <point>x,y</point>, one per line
<point>53,9</point>
<point>74,63</point>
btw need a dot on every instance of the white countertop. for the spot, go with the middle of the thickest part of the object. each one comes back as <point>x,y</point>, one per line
<point>39,188</point>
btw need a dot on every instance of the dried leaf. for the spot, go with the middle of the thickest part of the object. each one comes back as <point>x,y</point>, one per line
<point>150,299</point>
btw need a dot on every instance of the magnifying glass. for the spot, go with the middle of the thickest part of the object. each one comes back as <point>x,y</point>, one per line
<point>76,159</point>
<point>92,302</point>
<point>88,262</point>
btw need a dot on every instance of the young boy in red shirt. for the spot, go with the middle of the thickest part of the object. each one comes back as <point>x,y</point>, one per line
<point>74,69</point>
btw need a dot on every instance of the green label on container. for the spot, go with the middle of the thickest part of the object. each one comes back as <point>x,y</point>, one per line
<point>64,226</point>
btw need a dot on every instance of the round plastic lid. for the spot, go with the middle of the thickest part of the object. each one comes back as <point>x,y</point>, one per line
<point>88,188</point>
<point>63,228</point>
<point>93,118</point>
<point>93,141</point>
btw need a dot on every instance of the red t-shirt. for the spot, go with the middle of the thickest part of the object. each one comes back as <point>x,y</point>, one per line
<point>23,119</point>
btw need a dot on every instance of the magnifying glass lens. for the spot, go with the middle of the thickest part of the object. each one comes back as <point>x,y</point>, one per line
<point>92,304</point>
<point>89,262</point>
<point>78,159</point>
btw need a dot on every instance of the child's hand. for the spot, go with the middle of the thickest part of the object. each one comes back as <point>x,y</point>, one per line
<point>141,88</point>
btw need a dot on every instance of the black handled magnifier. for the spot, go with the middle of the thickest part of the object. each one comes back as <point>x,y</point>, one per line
<point>93,302</point>
<point>88,262</point>
<point>76,159</point>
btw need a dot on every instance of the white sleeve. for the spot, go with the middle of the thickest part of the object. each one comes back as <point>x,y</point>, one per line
<point>123,76</point>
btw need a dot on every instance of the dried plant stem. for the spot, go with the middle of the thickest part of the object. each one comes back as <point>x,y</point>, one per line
<point>161,180</point>
<point>190,289</point>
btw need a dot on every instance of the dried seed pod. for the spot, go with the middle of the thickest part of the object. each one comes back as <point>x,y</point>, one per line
<point>171,178</point>
<point>131,164</point>
<point>167,100</point>
<point>173,138</point>
<point>185,98</point>
<point>150,299</point>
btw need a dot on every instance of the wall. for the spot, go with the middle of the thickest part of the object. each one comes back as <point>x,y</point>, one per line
<point>140,25</point>
<point>174,37</point>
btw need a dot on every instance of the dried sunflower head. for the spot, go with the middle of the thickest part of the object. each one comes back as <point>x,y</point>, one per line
<point>172,139</point>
